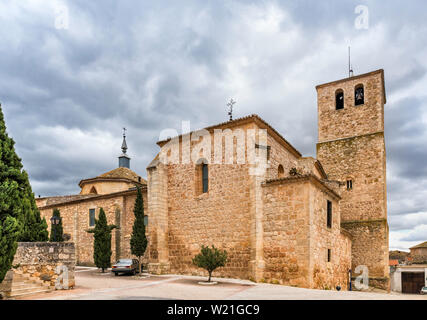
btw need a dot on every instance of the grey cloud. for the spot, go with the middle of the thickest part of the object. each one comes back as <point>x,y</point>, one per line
<point>149,65</point>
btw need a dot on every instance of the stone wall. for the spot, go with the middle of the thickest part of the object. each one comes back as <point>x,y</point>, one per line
<point>361,159</point>
<point>296,236</point>
<point>286,234</point>
<point>228,216</point>
<point>6,285</point>
<point>419,255</point>
<point>41,260</point>
<point>370,248</point>
<point>328,275</point>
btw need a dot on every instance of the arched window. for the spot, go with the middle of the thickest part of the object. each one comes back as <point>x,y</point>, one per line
<point>280,171</point>
<point>339,99</point>
<point>359,95</point>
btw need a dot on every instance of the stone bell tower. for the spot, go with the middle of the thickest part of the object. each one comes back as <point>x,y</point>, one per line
<point>351,148</point>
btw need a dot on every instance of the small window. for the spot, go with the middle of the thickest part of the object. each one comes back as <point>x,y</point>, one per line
<point>258,146</point>
<point>91,217</point>
<point>145,220</point>
<point>205,177</point>
<point>201,177</point>
<point>280,171</point>
<point>339,99</point>
<point>329,255</point>
<point>349,184</point>
<point>359,95</point>
<point>93,191</point>
<point>329,214</point>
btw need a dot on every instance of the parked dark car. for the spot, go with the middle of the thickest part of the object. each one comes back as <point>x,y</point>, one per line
<point>125,266</point>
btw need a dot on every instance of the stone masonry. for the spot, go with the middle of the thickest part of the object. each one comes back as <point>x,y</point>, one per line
<point>46,261</point>
<point>296,223</point>
<point>351,147</point>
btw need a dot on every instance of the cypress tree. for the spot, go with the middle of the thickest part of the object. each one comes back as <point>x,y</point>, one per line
<point>56,232</point>
<point>138,241</point>
<point>19,217</point>
<point>102,241</point>
<point>34,228</point>
<point>17,203</point>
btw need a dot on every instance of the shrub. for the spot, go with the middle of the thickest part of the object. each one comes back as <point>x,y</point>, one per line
<point>210,259</point>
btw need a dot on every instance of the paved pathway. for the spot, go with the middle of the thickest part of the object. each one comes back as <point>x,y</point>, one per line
<point>94,285</point>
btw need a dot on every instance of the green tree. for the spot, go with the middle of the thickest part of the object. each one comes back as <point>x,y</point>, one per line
<point>34,228</point>
<point>17,203</point>
<point>210,259</point>
<point>9,232</point>
<point>138,241</point>
<point>56,232</point>
<point>102,241</point>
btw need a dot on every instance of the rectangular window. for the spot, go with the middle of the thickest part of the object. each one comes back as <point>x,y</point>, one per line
<point>268,148</point>
<point>205,177</point>
<point>349,184</point>
<point>91,217</point>
<point>329,255</point>
<point>329,214</point>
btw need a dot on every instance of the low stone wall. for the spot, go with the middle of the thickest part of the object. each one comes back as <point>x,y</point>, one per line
<point>47,261</point>
<point>6,285</point>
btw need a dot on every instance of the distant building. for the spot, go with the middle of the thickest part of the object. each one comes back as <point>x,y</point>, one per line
<point>419,253</point>
<point>408,278</point>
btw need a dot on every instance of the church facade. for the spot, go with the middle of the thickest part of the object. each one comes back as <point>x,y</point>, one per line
<point>239,185</point>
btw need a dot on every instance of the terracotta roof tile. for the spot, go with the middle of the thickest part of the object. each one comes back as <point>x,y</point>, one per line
<point>421,245</point>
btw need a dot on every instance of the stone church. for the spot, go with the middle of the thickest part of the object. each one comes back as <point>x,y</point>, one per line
<point>302,221</point>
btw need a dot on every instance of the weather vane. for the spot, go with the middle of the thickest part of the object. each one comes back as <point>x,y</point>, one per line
<point>230,105</point>
<point>124,132</point>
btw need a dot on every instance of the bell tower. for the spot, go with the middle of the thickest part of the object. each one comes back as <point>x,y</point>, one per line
<point>351,148</point>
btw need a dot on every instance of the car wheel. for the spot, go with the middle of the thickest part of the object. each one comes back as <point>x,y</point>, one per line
<point>116,274</point>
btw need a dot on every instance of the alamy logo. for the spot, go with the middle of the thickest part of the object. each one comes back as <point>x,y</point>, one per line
<point>222,146</point>
<point>362,281</point>
<point>61,17</point>
<point>362,20</point>
<point>61,282</point>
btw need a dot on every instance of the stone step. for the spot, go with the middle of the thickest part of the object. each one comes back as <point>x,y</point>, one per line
<point>14,294</point>
<point>29,279</point>
<point>27,289</point>
<point>19,285</point>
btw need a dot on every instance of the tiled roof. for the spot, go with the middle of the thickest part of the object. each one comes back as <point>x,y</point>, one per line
<point>393,262</point>
<point>123,173</point>
<point>61,199</point>
<point>421,245</point>
<point>118,173</point>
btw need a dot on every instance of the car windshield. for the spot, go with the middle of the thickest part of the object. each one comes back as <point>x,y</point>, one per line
<point>122,261</point>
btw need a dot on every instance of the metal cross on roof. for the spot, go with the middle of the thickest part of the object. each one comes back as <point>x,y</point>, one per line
<point>124,144</point>
<point>230,105</point>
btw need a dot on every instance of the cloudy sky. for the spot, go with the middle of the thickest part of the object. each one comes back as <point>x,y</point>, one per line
<point>73,73</point>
